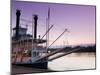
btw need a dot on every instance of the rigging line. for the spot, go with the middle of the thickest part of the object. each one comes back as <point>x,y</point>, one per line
<point>47,31</point>
<point>46,35</point>
<point>25,20</point>
<point>25,24</point>
<point>58,37</point>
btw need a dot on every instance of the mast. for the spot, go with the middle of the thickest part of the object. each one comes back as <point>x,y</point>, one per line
<point>47,27</point>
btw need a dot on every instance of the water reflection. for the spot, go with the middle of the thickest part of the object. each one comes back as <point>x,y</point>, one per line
<point>74,61</point>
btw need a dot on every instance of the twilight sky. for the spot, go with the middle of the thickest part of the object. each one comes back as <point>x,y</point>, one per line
<point>79,19</point>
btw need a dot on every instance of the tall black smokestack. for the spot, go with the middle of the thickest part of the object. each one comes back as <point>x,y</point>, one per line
<point>17,24</point>
<point>35,26</point>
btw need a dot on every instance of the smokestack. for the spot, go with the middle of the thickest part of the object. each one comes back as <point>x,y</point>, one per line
<point>35,26</point>
<point>17,24</point>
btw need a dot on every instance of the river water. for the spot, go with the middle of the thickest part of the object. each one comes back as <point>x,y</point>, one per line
<point>74,61</point>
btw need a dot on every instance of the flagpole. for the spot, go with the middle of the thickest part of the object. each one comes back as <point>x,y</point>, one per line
<point>48,25</point>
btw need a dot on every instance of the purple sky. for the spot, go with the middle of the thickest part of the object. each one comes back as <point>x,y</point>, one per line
<point>79,19</point>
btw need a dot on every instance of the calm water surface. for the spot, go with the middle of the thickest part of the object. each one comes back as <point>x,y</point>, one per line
<point>74,61</point>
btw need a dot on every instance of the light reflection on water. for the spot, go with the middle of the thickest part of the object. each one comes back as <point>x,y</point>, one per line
<point>74,61</point>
